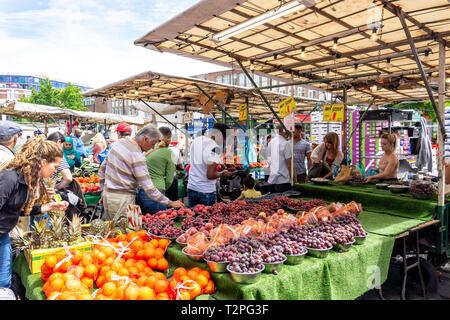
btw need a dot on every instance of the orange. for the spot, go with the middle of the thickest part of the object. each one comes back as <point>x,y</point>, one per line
<point>161,286</point>
<point>108,261</point>
<point>206,274</point>
<point>210,288</point>
<point>184,278</point>
<point>201,280</point>
<point>91,271</point>
<point>64,266</point>
<point>163,243</point>
<point>51,295</point>
<point>148,270</point>
<point>141,267</point>
<point>131,293</point>
<point>159,275</point>
<point>99,256</point>
<point>159,253</point>
<point>45,269</point>
<point>154,242</point>
<point>137,245</point>
<point>195,289</point>
<point>185,295</point>
<point>149,252</point>
<point>124,272</point>
<point>88,282</point>
<point>103,270</point>
<point>116,266</point>
<point>108,251</point>
<point>162,264</point>
<point>146,293</point>
<point>130,236</point>
<point>129,263</point>
<point>142,234</point>
<point>109,289</point>
<point>100,281</point>
<point>141,281</point>
<point>51,262</point>
<point>119,292</point>
<point>84,296</point>
<point>122,238</point>
<point>129,255</point>
<point>179,272</point>
<point>153,262</point>
<point>197,269</point>
<point>86,259</point>
<point>109,274</point>
<point>173,284</point>
<point>67,295</point>
<point>57,284</point>
<point>77,271</point>
<point>76,256</point>
<point>162,296</point>
<point>151,281</point>
<point>73,284</point>
<point>140,254</point>
<point>55,275</point>
<point>133,270</point>
<point>192,274</point>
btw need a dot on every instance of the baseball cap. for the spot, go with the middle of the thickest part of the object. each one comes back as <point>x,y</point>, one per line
<point>9,128</point>
<point>123,127</point>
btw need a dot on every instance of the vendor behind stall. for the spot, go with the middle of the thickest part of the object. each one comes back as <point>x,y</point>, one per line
<point>21,186</point>
<point>388,165</point>
<point>124,169</point>
<point>325,157</point>
<point>302,151</point>
<point>204,157</point>
<point>161,169</point>
<point>280,157</point>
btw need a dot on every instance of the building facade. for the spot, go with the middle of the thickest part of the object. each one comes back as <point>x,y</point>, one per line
<point>237,78</point>
<point>115,106</point>
<point>15,86</point>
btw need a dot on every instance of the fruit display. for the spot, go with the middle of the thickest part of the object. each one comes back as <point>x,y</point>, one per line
<point>164,228</point>
<point>191,222</point>
<point>121,268</point>
<point>422,188</point>
<point>166,214</point>
<point>89,184</point>
<point>356,179</point>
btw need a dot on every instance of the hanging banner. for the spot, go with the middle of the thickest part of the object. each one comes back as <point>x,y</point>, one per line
<point>243,112</point>
<point>286,106</point>
<point>289,122</point>
<point>333,112</point>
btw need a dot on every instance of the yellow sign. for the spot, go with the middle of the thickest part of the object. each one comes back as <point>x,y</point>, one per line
<point>333,112</point>
<point>243,111</point>
<point>287,106</point>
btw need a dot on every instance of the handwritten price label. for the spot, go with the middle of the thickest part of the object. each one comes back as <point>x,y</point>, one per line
<point>287,106</point>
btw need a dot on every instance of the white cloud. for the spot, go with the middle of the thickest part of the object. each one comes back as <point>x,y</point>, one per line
<point>90,41</point>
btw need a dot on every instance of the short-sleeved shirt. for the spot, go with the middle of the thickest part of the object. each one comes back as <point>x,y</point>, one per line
<point>6,155</point>
<point>63,165</point>
<point>301,148</point>
<point>279,151</point>
<point>251,193</point>
<point>204,151</point>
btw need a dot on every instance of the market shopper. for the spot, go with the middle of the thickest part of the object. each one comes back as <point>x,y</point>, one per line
<point>63,168</point>
<point>302,151</point>
<point>249,189</point>
<point>280,157</point>
<point>177,158</point>
<point>22,192</point>
<point>161,169</point>
<point>71,155</point>
<point>9,134</point>
<point>205,155</point>
<point>78,143</point>
<point>99,145</point>
<point>124,169</point>
<point>123,130</point>
<point>325,157</point>
<point>388,165</point>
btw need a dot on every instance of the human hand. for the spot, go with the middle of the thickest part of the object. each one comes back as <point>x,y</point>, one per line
<point>50,191</point>
<point>71,157</point>
<point>177,204</point>
<point>225,174</point>
<point>57,206</point>
<point>368,179</point>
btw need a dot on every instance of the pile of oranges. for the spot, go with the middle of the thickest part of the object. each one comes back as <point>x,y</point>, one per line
<point>128,277</point>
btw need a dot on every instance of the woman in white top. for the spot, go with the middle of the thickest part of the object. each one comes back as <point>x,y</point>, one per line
<point>388,165</point>
<point>328,152</point>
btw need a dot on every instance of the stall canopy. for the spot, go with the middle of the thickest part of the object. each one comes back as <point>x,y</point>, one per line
<point>187,93</point>
<point>42,112</point>
<point>307,40</point>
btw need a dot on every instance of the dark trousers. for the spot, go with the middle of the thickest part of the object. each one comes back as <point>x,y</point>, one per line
<point>172,192</point>
<point>278,188</point>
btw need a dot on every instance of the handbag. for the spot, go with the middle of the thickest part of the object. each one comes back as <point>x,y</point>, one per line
<point>319,169</point>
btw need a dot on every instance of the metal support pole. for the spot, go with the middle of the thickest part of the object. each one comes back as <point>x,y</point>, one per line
<point>70,124</point>
<point>401,16</point>
<point>262,95</point>
<point>219,106</point>
<point>247,138</point>
<point>159,114</point>
<point>441,137</point>
<point>345,140</point>
<point>186,139</point>
<point>105,132</point>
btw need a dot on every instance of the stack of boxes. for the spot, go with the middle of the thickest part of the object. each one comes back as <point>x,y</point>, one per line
<point>320,128</point>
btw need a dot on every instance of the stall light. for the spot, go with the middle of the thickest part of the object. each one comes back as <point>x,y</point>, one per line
<point>448,80</point>
<point>388,63</point>
<point>374,35</point>
<point>356,66</point>
<point>335,43</point>
<point>328,70</point>
<point>136,92</point>
<point>273,14</point>
<point>427,56</point>
<point>182,93</point>
<point>124,94</point>
<point>303,52</point>
<point>374,88</point>
<point>275,56</point>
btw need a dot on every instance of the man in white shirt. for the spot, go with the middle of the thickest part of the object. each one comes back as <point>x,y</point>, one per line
<point>205,156</point>
<point>9,134</point>
<point>279,152</point>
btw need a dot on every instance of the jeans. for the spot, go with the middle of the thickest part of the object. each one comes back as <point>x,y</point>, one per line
<point>5,262</point>
<point>195,197</point>
<point>34,219</point>
<point>148,205</point>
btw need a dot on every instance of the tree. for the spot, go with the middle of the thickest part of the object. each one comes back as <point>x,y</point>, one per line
<point>69,97</point>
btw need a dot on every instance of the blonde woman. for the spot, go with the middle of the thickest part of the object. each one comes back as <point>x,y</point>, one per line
<point>161,169</point>
<point>22,192</point>
<point>388,165</point>
<point>326,156</point>
<point>99,145</point>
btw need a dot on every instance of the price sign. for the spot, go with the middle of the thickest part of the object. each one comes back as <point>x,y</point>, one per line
<point>286,106</point>
<point>243,111</point>
<point>188,117</point>
<point>289,122</point>
<point>333,112</point>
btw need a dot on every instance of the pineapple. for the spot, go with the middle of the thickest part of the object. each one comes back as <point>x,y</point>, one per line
<point>58,230</point>
<point>74,230</point>
<point>21,242</point>
<point>40,235</point>
<point>97,227</point>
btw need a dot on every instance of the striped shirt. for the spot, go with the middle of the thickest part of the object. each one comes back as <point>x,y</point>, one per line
<point>61,167</point>
<point>125,168</point>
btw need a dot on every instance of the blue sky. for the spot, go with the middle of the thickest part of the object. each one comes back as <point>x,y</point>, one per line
<point>88,41</point>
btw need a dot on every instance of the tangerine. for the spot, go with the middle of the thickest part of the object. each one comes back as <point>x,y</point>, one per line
<point>159,275</point>
<point>192,274</point>
<point>91,271</point>
<point>201,280</point>
<point>209,288</point>
<point>108,261</point>
<point>124,272</point>
<point>142,234</point>
<point>173,283</point>
<point>137,245</point>
<point>161,285</point>
<point>179,272</point>
<point>163,243</point>
<point>131,292</point>
<point>109,289</point>
<point>162,264</point>
<point>149,252</point>
<point>88,282</point>
<point>153,262</point>
<point>141,281</point>
<point>150,281</point>
<point>154,243</point>
<point>146,293</point>
<point>185,295</point>
<point>159,253</point>
<point>162,296</point>
<point>131,235</point>
<point>140,254</point>
<point>195,289</point>
<point>206,274</point>
<point>50,262</point>
<point>57,284</point>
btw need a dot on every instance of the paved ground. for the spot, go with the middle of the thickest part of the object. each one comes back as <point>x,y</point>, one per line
<point>392,289</point>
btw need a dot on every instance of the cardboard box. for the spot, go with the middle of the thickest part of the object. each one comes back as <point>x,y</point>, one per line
<point>36,258</point>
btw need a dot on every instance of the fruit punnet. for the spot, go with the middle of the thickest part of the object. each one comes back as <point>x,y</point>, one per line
<point>422,188</point>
